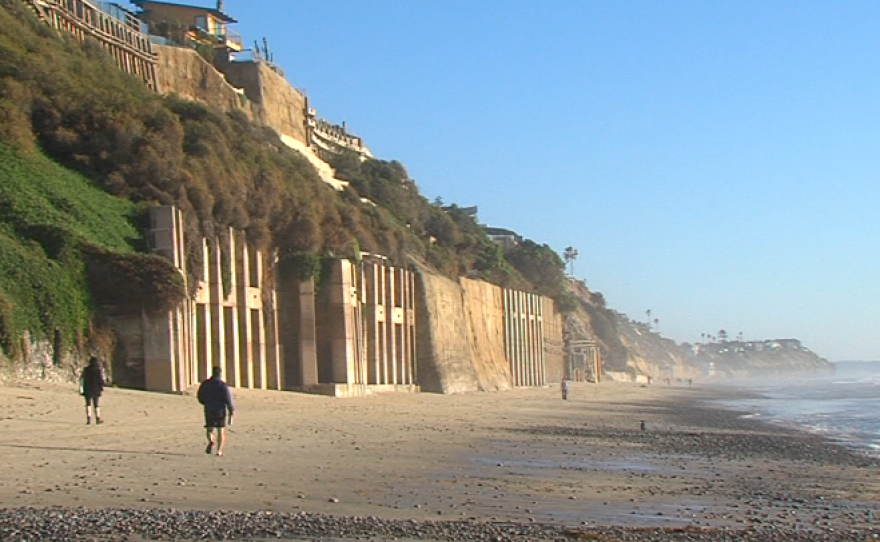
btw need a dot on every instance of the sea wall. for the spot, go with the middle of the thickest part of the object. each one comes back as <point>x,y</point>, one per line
<point>476,336</point>
<point>483,304</point>
<point>553,343</point>
<point>445,353</point>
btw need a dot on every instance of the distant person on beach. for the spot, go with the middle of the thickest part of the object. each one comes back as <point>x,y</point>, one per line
<point>92,386</point>
<point>564,387</point>
<point>214,394</point>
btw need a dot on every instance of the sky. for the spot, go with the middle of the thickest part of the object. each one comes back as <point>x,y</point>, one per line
<point>715,163</point>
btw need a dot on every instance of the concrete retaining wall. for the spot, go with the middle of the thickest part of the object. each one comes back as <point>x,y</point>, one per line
<point>484,308</point>
<point>445,355</point>
<point>465,342</point>
<point>184,72</point>
<point>273,100</point>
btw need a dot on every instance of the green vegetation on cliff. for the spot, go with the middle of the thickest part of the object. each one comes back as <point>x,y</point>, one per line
<point>57,231</point>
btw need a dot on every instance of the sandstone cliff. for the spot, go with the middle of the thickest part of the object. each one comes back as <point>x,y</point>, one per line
<point>633,351</point>
<point>461,342</point>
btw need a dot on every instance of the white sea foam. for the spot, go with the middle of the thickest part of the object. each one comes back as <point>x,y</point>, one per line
<point>845,408</point>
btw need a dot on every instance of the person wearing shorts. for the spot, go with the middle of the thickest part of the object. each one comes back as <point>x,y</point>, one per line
<point>92,388</point>
<point>214,394</point>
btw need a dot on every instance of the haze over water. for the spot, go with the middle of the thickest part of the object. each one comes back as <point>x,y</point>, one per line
<point>844,407</point>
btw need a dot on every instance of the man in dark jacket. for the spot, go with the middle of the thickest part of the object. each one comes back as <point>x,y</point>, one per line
<point>92,388</point>
<point>215,395</point>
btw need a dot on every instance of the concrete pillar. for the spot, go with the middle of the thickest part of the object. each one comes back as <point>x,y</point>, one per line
<point>531,339</point>
<point>297,330</point>
<point>158,362</point>
<point>374,318</point>
<point>540,340</point>
<point>384,324</point>
<point>390,301</point>
<point>520,338</point>
<point>411,327</point>
<point>308,336</point>
<point>241,300</point>
<point>275,380</point>
<point>179,364</point>
<point>173,331</point>
<point>203,340</point>
<point>215,304</point>
<point>202,328</point>
<point>342,340</point>
<point>231,317</point>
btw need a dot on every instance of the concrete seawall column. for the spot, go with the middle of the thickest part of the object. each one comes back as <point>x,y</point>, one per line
<point>411,326</point>
<point>217,314</point>
<point>297,329</point>
<point>168,356</point>
<point>202,316</point>
<point>374,321</point>
<point>539,342</point>
<point>534,358</point>
<point>158,348</point>
<point>391,344</point>
<point>230,315</point>
<point>341,323</point>
<point>275,376</point>
<point>520,339</point>
<point>308,341</point>
<point>241,298</point>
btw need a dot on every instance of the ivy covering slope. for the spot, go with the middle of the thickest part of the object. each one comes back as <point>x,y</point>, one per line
<point>58,235</point>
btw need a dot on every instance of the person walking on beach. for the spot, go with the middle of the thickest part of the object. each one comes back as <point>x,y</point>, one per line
<point>564,387</point>
<point>92,385</point>
<point>214,394</point>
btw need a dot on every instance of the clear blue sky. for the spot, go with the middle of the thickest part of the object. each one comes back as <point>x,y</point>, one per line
<point>714,162</point>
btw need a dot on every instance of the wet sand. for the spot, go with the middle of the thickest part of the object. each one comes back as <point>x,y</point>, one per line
<point>519,457</point>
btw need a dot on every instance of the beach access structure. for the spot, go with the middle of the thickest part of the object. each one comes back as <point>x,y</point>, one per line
<point>118,30</point>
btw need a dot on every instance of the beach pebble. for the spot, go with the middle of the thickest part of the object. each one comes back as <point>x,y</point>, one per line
<point>118,525</point>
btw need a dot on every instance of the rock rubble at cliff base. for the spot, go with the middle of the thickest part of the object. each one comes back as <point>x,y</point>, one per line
<point>111,525</point>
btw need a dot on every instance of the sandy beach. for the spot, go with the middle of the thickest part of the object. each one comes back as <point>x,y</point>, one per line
<point>523,457</point>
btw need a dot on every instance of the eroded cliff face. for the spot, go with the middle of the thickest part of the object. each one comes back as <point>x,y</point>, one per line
<point>460,339</point>
<point>184,72</point>
<point>252,88</point>
<point>632,351</point>
<point>743,359</point>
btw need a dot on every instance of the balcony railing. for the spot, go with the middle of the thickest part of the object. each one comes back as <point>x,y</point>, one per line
<point>231,39</point>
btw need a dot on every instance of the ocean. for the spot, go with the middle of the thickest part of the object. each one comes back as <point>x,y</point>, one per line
<point>844,407</point>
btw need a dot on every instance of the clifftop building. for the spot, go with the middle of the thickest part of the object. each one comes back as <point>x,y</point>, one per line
<point>183,24</point>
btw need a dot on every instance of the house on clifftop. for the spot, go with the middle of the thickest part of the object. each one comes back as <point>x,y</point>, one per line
<point>183,24</point>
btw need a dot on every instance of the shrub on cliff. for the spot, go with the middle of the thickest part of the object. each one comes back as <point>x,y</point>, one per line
<point>542,267</point>
<point>132,282</point>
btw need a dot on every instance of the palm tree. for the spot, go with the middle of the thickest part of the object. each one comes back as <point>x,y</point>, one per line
<point>570,254</point>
